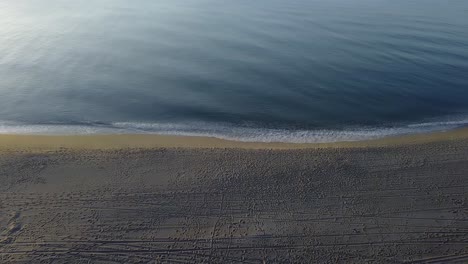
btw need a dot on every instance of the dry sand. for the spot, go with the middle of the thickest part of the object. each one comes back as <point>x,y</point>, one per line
<point>93,200</point>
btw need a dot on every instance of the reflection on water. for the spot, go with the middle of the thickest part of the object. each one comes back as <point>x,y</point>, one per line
<point>276,64</point>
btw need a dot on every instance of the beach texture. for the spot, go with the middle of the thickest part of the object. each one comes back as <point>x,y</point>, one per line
<point>381,203</point>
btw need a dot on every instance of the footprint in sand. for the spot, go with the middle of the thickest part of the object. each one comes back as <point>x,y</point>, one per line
<point>13,227</point>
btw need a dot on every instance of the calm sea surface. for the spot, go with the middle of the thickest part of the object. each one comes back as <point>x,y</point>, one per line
<point>263,70</point>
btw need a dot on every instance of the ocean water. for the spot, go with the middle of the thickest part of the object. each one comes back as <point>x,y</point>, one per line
<point>264,70</point>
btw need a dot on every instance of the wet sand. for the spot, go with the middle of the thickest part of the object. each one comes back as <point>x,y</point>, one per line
<point>153,199</point>
<point>16,143</point>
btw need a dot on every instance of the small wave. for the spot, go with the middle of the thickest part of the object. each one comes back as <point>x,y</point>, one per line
<point>231,132</point>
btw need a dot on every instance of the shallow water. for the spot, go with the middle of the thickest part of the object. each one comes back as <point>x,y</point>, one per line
<point>299,71</point>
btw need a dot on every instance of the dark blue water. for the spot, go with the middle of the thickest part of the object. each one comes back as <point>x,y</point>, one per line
<point>264,70</point>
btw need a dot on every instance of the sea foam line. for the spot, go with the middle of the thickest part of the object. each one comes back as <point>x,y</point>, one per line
<point>230,132</point>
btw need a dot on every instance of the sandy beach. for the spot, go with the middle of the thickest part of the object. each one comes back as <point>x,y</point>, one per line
<point>167,199</point>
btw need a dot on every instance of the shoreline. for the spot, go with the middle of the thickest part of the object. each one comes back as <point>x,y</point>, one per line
<point>11,142</point>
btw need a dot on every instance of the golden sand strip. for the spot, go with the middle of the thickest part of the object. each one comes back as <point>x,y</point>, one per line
<point>49,142</point>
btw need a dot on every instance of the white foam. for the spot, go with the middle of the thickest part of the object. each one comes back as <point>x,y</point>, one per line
<point>230,132</point>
